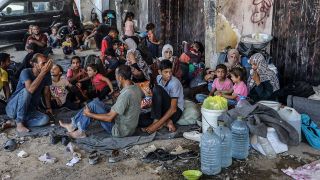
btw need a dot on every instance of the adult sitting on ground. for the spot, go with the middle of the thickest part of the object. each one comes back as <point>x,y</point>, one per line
<point>24,101</point>
<point>120,120</point>
<point>37,42</point>
<point>167,53</point>
<point>168,99</point>
<point>99,32</point>
<point>262,82</point>
<point>139,68</point>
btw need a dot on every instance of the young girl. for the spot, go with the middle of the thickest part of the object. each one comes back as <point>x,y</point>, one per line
<point>129,25</point>
<point>239,87</point>
<point>101,84</point>
<point>220,85</point>
<point>75,73</point>
<point>60,96</point>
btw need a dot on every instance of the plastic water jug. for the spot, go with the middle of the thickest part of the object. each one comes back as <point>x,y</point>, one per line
<point>226,137</point>
<point>267,147</point>
<point>292,117</point>
<point>210,152</point>
<point>240,139</point>
<point>242,102</point>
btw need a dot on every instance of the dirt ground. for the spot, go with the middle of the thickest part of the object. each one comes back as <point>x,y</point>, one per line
<point>255,167</point>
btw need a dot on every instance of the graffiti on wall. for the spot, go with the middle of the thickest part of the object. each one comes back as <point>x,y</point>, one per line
<point>261,11</point>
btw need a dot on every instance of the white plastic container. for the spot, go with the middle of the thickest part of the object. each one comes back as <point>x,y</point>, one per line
<point>272,104</point>
<point>292,117</point>
<point>273,139</point>
<point>210,118</point>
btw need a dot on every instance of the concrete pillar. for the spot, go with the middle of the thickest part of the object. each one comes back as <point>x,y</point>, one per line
<point>118,4</point>
<point>210,35</point>
<point>143,15</point>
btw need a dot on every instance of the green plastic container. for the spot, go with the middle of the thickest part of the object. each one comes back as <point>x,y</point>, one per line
<point>192,174</point>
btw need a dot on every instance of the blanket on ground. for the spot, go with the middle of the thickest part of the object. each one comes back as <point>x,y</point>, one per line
<point>258,118</point>
<point>97,138</point>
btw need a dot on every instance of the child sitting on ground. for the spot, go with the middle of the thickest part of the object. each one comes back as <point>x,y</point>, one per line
<point>67,46</point>
<point>111,63</point>
<point>220,85</point>
<point>239,87</point>
<point>79,77</point>
<point>101,84</point>
<point>60,96</point>
<point>54,38</point>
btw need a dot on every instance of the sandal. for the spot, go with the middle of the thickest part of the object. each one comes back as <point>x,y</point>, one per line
<point>93,158</point>
<point>10,145</point>
<point>189,155</point>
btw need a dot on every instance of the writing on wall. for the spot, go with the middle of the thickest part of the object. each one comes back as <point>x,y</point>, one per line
<point>261,11</point>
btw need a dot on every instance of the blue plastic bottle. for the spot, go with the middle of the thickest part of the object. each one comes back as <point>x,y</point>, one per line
<point>242,102</point>
<point>226,139</point>
<point>210,152</point>
<point>240,139</point>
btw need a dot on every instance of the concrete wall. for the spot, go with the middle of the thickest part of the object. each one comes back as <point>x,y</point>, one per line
<point>241,17</point>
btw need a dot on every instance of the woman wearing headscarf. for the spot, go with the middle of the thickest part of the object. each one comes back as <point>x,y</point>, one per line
<point>140,70</point>
<point>167,53</point>
<point>233,57</point>
<point>262,82</point>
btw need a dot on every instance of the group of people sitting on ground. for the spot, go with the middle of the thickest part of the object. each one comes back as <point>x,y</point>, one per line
<point>124,73</point>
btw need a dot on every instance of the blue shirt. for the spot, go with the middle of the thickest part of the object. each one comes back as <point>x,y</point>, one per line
<point>174,88</point>
<point>27,74</point>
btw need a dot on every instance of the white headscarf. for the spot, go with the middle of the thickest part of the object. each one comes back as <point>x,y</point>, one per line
<point>164,49</point>
<point>264,72</point>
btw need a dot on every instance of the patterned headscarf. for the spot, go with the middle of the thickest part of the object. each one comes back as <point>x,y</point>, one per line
<point>140,62</point>
<point>264,72</point>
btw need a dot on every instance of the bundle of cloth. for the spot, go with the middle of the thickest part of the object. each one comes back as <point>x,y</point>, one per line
<point>259,117</point>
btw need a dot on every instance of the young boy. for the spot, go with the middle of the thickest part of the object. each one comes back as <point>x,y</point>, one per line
<point>68,46</point>
<point>54,39</point>
<point>107,42</point>
<point>168,102</point>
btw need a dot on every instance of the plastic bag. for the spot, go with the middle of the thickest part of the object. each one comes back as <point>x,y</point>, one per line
<point>215,103</point>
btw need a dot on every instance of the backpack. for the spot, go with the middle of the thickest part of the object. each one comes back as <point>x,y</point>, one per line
<point>311,131</point>
<point>299,88</point>
<point>93,59</point>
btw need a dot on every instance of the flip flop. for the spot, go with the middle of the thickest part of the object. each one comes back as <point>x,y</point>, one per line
<point>93,158</point>
<point>10,145</point>
<point>150,157</point>
<point>189,155</point>
<point>54,139</point>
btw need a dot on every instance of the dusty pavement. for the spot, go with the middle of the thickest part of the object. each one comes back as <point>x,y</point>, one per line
<point>255,167</point>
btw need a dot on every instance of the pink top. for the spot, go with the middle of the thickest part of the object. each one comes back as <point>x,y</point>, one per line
<point>240,89</point>
<point>129,28</point>
<point>98,83</point>
<point>226,85</point>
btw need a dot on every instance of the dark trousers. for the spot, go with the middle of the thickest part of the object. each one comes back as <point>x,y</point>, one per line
<point>68,50</point>
<point>99,94</point>
<point>2,107</point>
<point>161,102</point>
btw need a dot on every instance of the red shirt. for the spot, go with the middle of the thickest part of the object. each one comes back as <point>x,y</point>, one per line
<point>98,83</point>
<point>105,45</point>
<point>42,38</point>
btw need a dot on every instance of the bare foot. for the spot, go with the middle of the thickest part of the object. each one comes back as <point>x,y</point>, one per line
<point>171,126</point>
<point>21,128</point>
<point>77,134</point>
<point>155,126</point>
<point>69,126</point>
